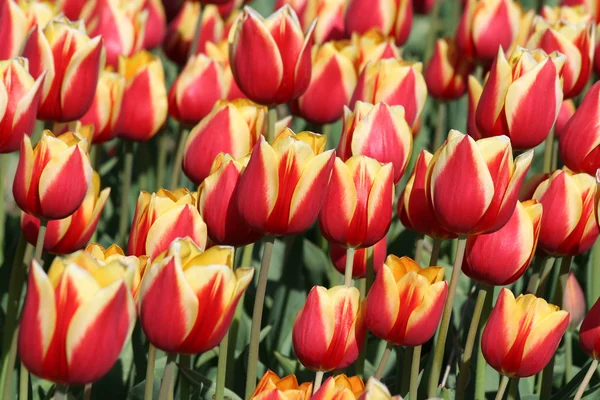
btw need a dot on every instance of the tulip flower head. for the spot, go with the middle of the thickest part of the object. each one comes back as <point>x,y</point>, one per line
<point>294,174</point>
<point>286,388</point>
<point>71,8</point>
<point>19,98</point>
<point>373,46</point>
<point>589,332</point>
<point>340,387</point>
<point>473,186</point>
<point>329,15</point>
<point>522,334</point>
<point>574,301</point>
<point>391,18</point>
<point>447,71</point>
<point>361,258</point>
<point>162,217</point>
<point>329,330</point>
<point>405,303</point>
<point>156,24</point>
<point>76,319</point>
<point>271,58</point>
<point>220,52</point>
<point>502,257</point>
<point>375,390</point>
<point>201,292</point>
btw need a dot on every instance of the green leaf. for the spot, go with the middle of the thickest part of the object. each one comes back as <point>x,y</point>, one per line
<point>572,386</point>
<point>206,386</point>
<point>288,364</point>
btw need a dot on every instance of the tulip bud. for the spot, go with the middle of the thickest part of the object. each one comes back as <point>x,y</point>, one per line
<point>361,259</point>
<point>405,303</point>
<point>474,94</point>
<point>144,106</point>
<point>579,144</point>
<point>573,37</point>
<point>18,103</point>
<point>331,86</point>
<point>375,390</point>
<point>156,24</point>
<point>568,226</point>
<point>16,19</point>
<point>447,71</point>
<point>485,26</point>
<point>589,332</point>
<point>357,210</point>
<point>567,110</point>
<point>340,387</point>
<point>201,292</point>
<point>329,330</point>
<point>76,319</point>
<point>372,47</point>
<point>71,8</point>
<point>217,203</point>
<point>272,386</point>
<point>294,174</point>
<point>162,217</point>
<point>574,301</point>
<point>231,127</point>
<point>502,257</point>
<point>52,180</point>
<point>392,18</point>
<point>72,63</point>
<point>270,58</point>
<point>378,131</point>
<point>521,97</point>
<point>395,82</point>
<point>522,334</point>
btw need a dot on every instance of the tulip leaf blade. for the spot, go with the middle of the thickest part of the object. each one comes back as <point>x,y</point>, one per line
<point>572,385</point>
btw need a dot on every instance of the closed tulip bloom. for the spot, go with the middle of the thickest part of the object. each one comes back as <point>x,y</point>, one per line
<point>474,94</point>
<point>294,174</point>
<point>270,58</point>
<point>392,18</point>
<point>53,178</point>
<point>71,8</point>
<point>378,131</point>
<point>297,5</point>
<point>331,86</point>
<point>447,71</point>
<point>522,97</point>
<point>271,386</point>
<point>502,257</point>
<point>231,127</point>
<point>340,387</point>
<point>414,211</point>
<point>76,319</point>
<point>405,303</point>
<point>568,226</point>
<point>485,26</point>
<point>329,330</point>
<point>162,217</point>
<point>16,19</point>
<point>19,98</point>
<point>217,202</point>
<point>64,236</point>
<point>574,301</point>
<point>330,19</point>
<point>589,332</point>
<point>361,258</point>
<point>220,53</point>
<point>72,63</point>
<point>357,210</point>
<point>522,334</point>
<point>567,110</point>
<point>579,144</point>
<point>188,297</point>
<point>373,46</point>
<point>375,390</point>
<point>156,24</point>
<point>144,107</point>
<point>393,82</point>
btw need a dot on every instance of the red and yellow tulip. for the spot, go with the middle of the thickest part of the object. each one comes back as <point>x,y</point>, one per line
<point>329,15</point>
<point>567,110</point>
<point>447,71</point>
<point>361,258</point>
<point>340,387</point>
<point>589,332</point>
<point>474,94</point>
<point>373,46</point>
<point>392,18</point>
<point>271,386</point>
<point>573,301</point>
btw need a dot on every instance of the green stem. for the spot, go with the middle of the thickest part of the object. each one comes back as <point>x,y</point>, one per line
<point>23,383</point>
<point>414,373</point>
<point>234,329</point>
<point>149,385</point>
<point>362,355</point>
<point>259,302</point>
<point>222,368</point>
<point>370,268</point>
<point>271,120</point>
<point>513,389</point>
<point>548,264</point>
<point>60,392</point>
<point>39,244</point>
<point>384,360</point>
<point>125,189</point>
<point>318,381</point>
<point>166,386</point>
<point>419,248</point>
<point>440,126</point>
<point>480,372</point>
<point>547,380</point>
<point>435,252</point>
<point>247,255</point>
<point>185,361</point>
<point>471,336</point>
<point>440,345</point>
<point>548,149</point>
<point>349,265</point>
<point>3,168</point>
<point>502,387</point>
<point>197,31</point>
<point>161,163</point>
<point>586,380</point>
<point>563,276</point>
<point>407,355</point>
<point>87,392</point>
<point>176,173</point>
<point>593,291</point>
<point>568,356</point>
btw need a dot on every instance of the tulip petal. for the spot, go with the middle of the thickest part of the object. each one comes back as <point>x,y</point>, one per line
<point>501,330</point>
<point>382,304</point>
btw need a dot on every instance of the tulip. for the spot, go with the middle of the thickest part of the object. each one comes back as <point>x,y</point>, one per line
<point>574,301</point>
<point>521,97</point>
<point>331,86</point>
<point>18,106</point>
<point>144,106</point>
<point>393,82</point>
<point>372,47</point>
<point>340,387</point>
<point>579,144</point>
<point>201,290</point>
<point>568,226</point>
<point>330,17</point>
<point>590,6</point>
<point>270,58</point>
<point>378,131</point>
<point>447,71</point>
<point>294,174</point>
<point>474,93</point>
<point>485,26</point>
<point>217,203</point>
<point>220,52</point>
<point>287,388</point>
<point>359,269</point>
<point>589,332</point>
<point>405,303</point>
<point>36,13</point>
<point>473,185</point>
<point>375,390</point>
<point>52,180</point>
<point>357,210</point>
<point>156,25</point>
<point>329,330</point>
<point>72,233</point>
<point>76,319</point>
<point>567,110</point>
<point>297,5</point>
<point>502,257</point>
<point>72,63</point>
<point>522,334</point>
<point>523,32</point>
<point>575,39</point>
<point>392,18</point>
<point>162,217</point>
<point>72,8</point>
<point>231,127</point>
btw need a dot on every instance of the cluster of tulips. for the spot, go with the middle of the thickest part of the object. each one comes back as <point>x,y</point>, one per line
<point>92,72</point>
